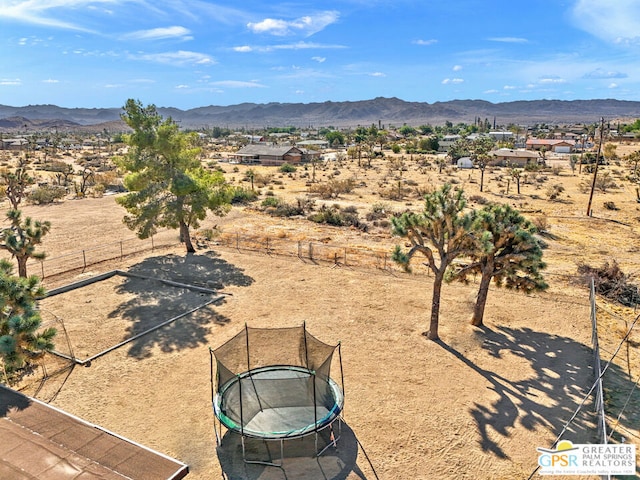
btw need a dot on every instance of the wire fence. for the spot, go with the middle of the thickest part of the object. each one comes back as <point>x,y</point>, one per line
<point>318,252</point>
<point>597,367</point>
<point>81,259</point>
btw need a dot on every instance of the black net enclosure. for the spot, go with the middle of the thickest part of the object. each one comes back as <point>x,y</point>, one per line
<point>275,384</point>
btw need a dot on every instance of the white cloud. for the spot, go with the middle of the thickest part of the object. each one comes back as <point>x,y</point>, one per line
<point>50,80</point>
<point>447,81</point>
<point>181,87</point>
<point>509,87</point>
<point>377,74</point>
<point>508,39</point>
<point>319,59</point>
<point>10,81</point>
<point>291,46</point>
<point>243,49</point>
<point>615,22</point>
<point>237,84</point>
<point>179,58</point>
<point>307,25</point>
<point>176,32</point>
<point>457,68</point>
<point>425,42</point>
<point>41,12</point>
<point>488,92</point>
<point>601,73</point>
<point>613,85</point>
<point>551,79</point>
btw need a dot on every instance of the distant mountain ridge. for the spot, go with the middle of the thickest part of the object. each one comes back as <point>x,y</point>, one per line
<point>340,114</point>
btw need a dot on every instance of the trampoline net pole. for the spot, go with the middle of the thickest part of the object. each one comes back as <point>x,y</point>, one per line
<point>341,372</point>
<point>253,384</point>
<point>215,430</point>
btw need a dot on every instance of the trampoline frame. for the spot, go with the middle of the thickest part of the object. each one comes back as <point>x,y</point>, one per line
<point>319,425</point>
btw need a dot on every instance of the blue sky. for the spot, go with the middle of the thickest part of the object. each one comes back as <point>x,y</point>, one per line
<point>190,53</point>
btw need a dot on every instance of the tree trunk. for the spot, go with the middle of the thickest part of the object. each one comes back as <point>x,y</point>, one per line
<point>22,266</point>
<point>481,179</point>
<point>481,299</point>
<point>432,334</point>
<point>185,237</point>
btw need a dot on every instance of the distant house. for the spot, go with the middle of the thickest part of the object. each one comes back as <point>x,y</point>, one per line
<point>557,146</point>
<point>270,154</point>
<point>447,141</point>
<point>502,136</point>
<point>313,143</point>
<point>510,157</point>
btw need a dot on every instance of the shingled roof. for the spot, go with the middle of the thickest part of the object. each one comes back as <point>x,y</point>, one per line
<point>42,442</point>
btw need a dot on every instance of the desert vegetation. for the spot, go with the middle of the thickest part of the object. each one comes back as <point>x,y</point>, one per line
<point>385,189</point>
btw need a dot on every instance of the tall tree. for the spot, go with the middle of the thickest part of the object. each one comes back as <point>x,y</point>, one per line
<point>168,186</point>
<point>506,251</point>
<point>21,238</point>
<point>21,342</point>
<point>440,233</point>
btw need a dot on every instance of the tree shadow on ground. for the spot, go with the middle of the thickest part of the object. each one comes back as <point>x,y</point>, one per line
<point>299,458</point>
<point>561,376</point>
<point>155,302</point>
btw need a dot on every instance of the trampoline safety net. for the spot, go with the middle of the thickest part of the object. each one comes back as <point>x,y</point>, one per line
<point>275,383</point>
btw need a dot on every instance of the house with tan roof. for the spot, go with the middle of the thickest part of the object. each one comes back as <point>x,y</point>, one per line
<point>551,145</point>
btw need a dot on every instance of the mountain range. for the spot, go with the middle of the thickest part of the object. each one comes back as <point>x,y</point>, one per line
<point>384,111</point>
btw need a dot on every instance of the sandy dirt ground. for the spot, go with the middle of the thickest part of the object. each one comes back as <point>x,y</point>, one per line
<point>472,406</point>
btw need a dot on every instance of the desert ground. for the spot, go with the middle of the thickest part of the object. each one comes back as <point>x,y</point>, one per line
<point>474,405</point>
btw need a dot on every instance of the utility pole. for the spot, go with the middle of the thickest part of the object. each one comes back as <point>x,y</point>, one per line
<point>595,170</point>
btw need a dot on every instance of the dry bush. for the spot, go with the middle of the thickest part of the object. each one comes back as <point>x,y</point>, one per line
<point>611,282</point>
<point>333,188</point>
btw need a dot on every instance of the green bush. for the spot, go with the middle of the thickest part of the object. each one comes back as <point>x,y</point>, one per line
<point>46,194</point>
<point>287,168</point>
<point>240,195</point>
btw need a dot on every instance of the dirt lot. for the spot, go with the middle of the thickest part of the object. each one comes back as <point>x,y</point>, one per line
<point>473,406</point>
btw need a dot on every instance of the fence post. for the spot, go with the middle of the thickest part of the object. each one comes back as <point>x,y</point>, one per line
<point>237,241</point>
<point>299,249</point>
<point>310,251</point>
<point>42,268</point>
<point>121,251</point>
<point>84,261</point>
<point>267,241</point>
<point>152,246</point>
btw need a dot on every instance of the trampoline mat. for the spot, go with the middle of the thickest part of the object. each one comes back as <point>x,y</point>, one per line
<point>278,402</point>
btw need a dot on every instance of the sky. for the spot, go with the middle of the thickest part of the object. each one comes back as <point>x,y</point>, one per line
<point>193,53</point>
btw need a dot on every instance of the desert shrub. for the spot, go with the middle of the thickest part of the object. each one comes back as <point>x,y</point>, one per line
<point>277,207</point>
<point>604,182</point>
<point>241,195</point>
<point>271,202</point>
<point>261,180</point>
<point>610,206</point>
<point>554,191</point>
<point>46,194</point>
<point>350,209</point>
<point>479,199</point>
<point>334,216</point>
<point>98,190</point>
<point>541,224</point>
<point>611,282</point>
<point>379,210</point>
<point>333,188</point>
<point>209,234</point>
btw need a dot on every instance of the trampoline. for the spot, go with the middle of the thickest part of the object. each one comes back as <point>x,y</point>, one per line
<point>275,385</point>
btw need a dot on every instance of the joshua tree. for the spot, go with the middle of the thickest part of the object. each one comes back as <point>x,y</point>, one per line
<point>440,233</point>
